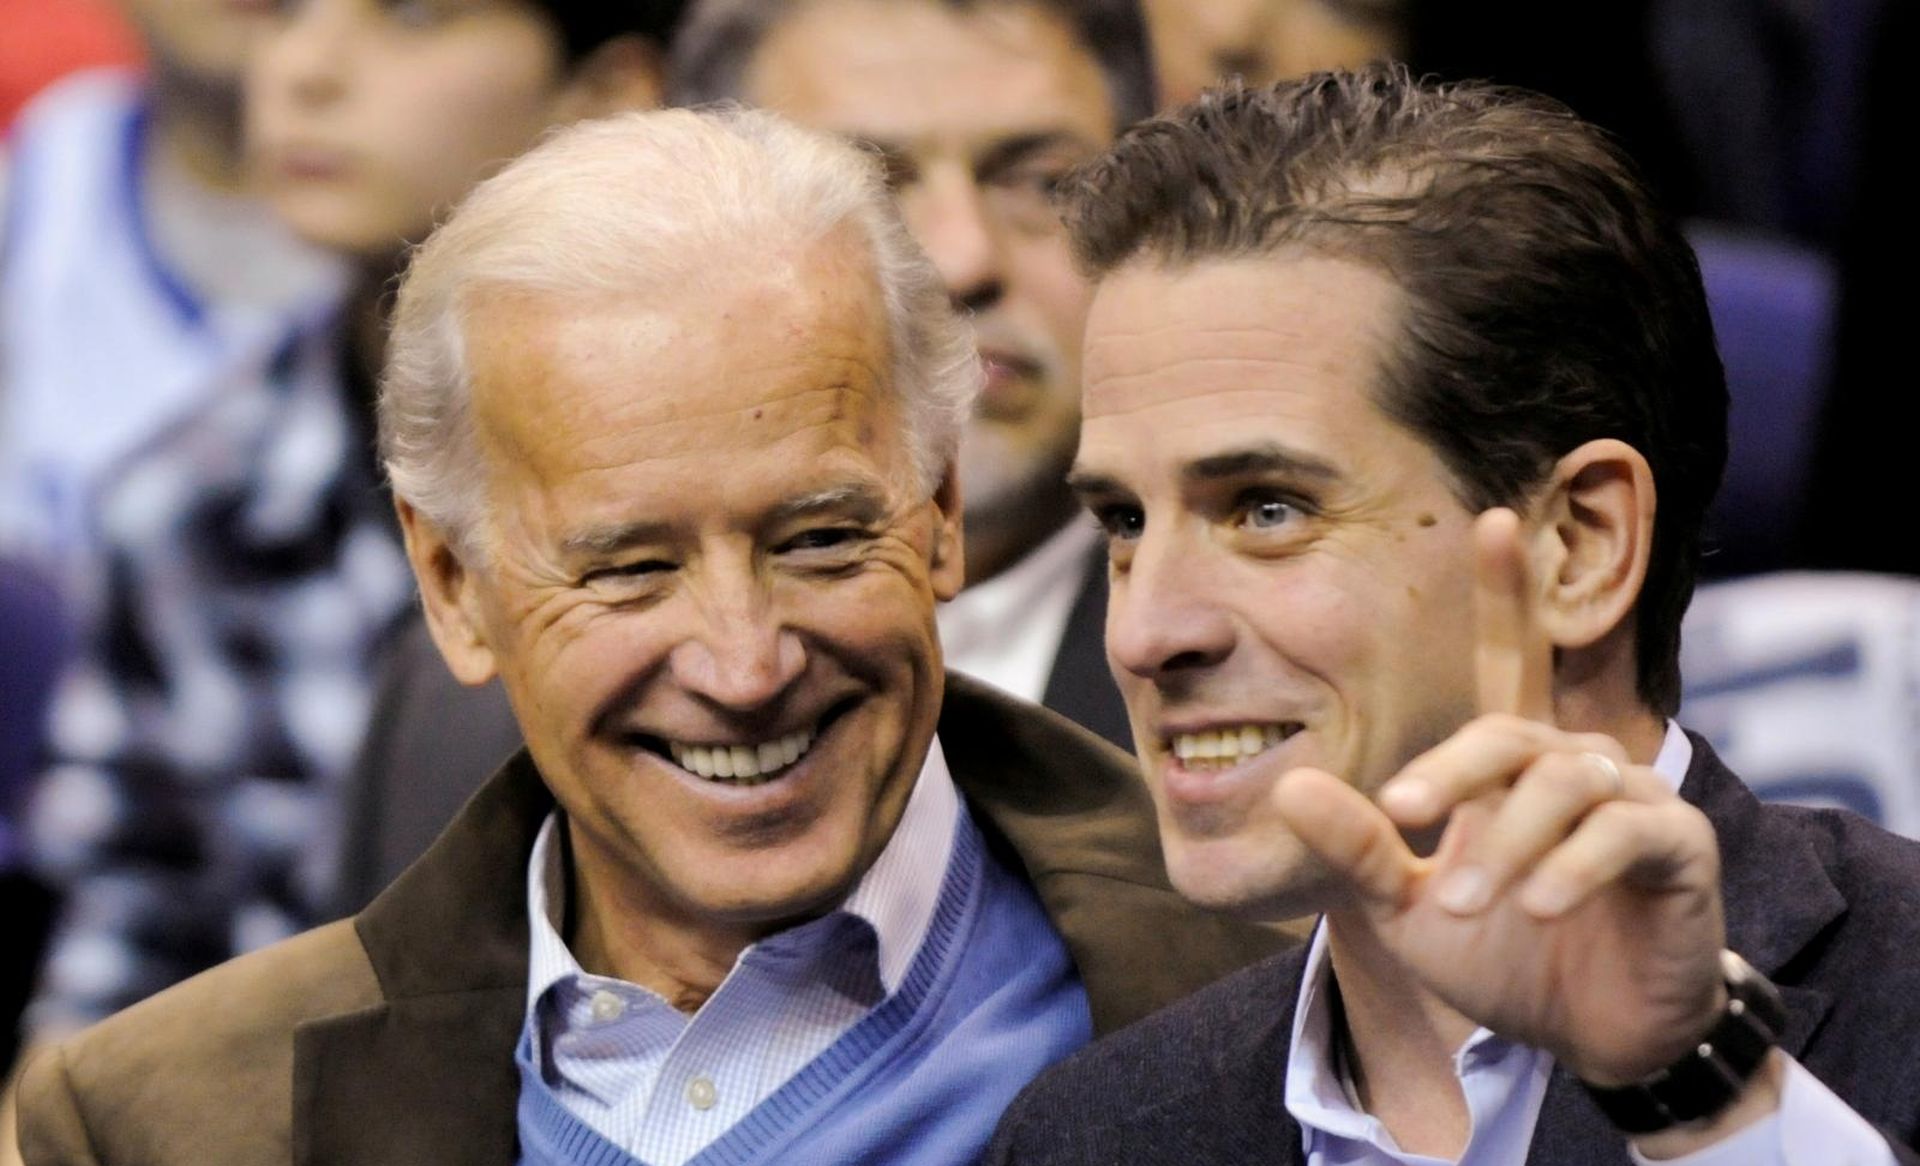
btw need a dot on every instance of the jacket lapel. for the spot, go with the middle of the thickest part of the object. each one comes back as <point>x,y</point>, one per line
<point>1074,815</point>
<point>428,1075</point>
<point>1080,687</point>
<point>1778,898</point>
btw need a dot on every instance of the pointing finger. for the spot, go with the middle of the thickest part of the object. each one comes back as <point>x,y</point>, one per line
<point>1513,659</point>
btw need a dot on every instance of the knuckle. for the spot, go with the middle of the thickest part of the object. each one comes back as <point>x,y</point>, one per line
<point>1604,745</point>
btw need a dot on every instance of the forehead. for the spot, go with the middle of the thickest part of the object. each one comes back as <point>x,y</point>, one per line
<point>908,70</point>
<point>585,387</point>
<point>1186,360</point>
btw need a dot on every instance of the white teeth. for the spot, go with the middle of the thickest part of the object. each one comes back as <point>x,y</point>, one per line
<point>1224,748</point>
<point>742,764</point>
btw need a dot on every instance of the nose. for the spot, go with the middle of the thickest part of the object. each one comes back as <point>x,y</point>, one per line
<point>307,55</point>
<point>1164,620</point>
<point>740,656</point>
<point>949,220</point>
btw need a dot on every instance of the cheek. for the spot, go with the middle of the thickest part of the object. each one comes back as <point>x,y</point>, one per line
<point>1043,267</point>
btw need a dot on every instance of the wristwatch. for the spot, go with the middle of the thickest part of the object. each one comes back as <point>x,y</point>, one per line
<point>1708,1078</point>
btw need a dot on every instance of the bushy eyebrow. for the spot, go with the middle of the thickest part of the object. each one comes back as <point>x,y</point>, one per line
<point>996,158</point>
<point>1268,459</point>
<point>863,502</point>
<point>857,501</point>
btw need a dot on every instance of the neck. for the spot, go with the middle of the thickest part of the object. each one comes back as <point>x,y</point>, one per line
<point>1596,690</point>
<point>196,129</point>
<point>613,932</point>
<point>996,543</point>
<point>1400,1042</point>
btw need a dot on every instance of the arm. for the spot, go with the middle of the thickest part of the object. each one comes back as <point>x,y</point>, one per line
<point>1573,901</point>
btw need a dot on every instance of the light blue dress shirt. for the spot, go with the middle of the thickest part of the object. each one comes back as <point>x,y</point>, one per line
<point>1504,1084</point>
<point>664,1085</point>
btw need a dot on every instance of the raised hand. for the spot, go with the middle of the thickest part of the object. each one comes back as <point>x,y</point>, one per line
<point>1573,900</point>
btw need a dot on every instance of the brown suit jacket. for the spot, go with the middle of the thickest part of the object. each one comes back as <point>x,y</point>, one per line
<point>389,1037</point>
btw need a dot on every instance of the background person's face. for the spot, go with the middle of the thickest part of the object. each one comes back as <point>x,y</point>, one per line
<point>368,119</point>
<point>1292,574</point>
<point>1197,43</point>
<point>979,112</point>
<point>206,41</point>
<point>711,583</point>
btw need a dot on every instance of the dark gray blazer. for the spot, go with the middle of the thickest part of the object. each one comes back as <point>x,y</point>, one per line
<point>1825,904</point>
<point>432,740</point>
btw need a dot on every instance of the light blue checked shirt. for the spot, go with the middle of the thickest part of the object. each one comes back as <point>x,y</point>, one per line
<point>662,1085</point>
<point>1504,1084</point>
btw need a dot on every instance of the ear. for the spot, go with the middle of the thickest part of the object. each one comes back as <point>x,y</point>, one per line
<point>949,561</point>
<point>1593,536</point>
<point>449,597</point>
<point>622,74</point>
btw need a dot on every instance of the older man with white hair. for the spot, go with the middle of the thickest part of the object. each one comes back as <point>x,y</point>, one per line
<point>671,413</point>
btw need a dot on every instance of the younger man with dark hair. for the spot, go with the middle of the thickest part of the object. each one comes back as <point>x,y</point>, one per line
<point>1384,379</point>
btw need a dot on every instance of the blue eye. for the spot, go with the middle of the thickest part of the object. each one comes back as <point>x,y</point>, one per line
<point>1269,513</point>
<point>1263,510</point>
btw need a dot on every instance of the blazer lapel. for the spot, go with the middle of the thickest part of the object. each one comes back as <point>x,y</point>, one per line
<point>1778,898</point>
<point>429,1075</point>
<point>1080,687</point>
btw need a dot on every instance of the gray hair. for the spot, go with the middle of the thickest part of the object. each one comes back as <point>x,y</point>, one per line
<point>647,201</point>
<point>714,49</point>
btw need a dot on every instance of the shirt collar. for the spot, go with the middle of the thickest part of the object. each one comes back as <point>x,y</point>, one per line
<point>987,608</point>
<point>1316,1093</point>
<point>896,896</point>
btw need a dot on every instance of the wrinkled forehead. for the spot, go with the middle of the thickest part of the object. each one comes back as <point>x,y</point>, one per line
<point>1184,360</point>
<point>572,381</point>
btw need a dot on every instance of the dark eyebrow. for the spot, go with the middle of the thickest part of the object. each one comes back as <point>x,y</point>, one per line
<point>1266,458</point>
<point>1087,484</point>
<point>1007,153</point>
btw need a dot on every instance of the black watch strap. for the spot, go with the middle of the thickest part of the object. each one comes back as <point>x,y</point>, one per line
<point>1706,1080</point>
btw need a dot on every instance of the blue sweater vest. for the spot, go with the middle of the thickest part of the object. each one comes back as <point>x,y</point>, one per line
<point>991,999</point>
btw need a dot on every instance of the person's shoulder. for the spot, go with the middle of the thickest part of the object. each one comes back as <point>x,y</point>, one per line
<point>101,97</point>
<point>207,1063</point>
<point>1876,871</point>
<point>1220,1050</point>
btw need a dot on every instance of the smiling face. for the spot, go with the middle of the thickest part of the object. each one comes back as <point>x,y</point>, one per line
<point>979,111</point>
<point>368,119</point>
<point>1292,573</point>
<point>710,582</point>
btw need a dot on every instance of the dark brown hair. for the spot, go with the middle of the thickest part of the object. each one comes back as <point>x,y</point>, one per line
<point>719,39</point>
<point>1549,301</point>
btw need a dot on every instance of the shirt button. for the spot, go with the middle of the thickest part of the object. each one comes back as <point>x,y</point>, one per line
<point>701,1094</point>
<point>606,1006</point>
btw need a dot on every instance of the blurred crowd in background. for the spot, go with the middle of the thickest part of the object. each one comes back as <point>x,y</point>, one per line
<point>199,571</point>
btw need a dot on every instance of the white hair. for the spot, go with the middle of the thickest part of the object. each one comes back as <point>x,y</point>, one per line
<point>651,202</point>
